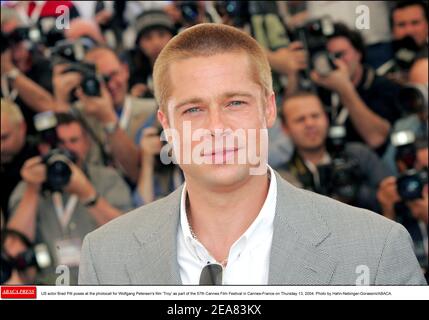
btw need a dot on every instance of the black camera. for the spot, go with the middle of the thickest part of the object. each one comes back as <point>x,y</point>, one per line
<point>58,172</point>
<point>410,182</point>
<point>34,256</point>
<point>91,80</point>
<point>189,10</point>
<point>405,51</point>
<point>314,36</point>
<point>340,178</point>
<point>18,35</point>
<point>40,34</point>
<point>237,11</point>
<point>73,54</point>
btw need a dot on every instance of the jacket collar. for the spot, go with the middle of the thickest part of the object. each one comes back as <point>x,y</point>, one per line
<point>296,257</point>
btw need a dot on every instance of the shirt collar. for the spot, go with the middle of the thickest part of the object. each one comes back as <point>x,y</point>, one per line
<point>262,223</point>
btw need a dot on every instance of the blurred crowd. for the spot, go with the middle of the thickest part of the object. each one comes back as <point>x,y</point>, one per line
<point>80,140</point>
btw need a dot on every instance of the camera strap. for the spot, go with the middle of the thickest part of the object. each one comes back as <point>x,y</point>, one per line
<point>339,118</point>
<point>5,89</point>
<point>64,214</point>
<point>126,114</point>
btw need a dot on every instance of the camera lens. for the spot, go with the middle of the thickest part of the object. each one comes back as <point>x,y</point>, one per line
<point>91,86</point>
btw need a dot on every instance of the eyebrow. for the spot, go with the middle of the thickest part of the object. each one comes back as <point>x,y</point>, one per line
<point>226,95</point>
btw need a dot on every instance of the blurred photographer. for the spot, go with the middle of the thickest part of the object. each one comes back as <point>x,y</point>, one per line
<point>112,115</point>
<point>323,162</point>
<point>409,25</point>
<point>404,198</point>
<point>16,148</point>
<point>414,100</point>
<point>62,198</point>
<point>366,104</point>
<point>154,30</point>
<point>25,73</point>
<point>156,179</point>
<point>186,14</point>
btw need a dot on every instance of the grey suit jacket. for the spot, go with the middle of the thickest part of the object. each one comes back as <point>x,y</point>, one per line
<point>316,241</point>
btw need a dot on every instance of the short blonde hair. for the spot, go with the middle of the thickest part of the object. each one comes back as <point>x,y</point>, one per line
<point>12,110</point>
<point>204,40</point>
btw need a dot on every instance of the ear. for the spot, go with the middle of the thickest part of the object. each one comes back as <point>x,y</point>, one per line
<point>163,120</point>
<point>271,110</point>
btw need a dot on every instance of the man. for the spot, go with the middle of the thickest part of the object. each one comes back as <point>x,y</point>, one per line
<point>410,18</point>
<point>114,117</point>
<point>156,180</point>
<point>213,82</point>
<point>417,118</point>
<point>350,172</point>
<point>409,25</point>
<point>363,102</point>
<point>15,150</point>
<point>60,219</point>
<point>411,212</point>
<point>154,30</point>
<point>26,74</point>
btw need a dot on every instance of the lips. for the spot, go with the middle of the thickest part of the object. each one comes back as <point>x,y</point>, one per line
<point>219,152</point>
<point>220,156</point>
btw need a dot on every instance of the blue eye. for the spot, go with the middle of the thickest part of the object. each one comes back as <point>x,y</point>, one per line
<point>192,110</point>
<point>236,103</point>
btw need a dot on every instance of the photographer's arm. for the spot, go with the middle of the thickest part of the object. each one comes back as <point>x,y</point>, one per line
<point>289,61</point>
<point>370,126</point>
<point>124,151</point>
<point>150,146</point>
<point>35,96</point>
<point>79,185</point>
<point>387,196</point>
<point>23,220</point>
<point>63,84</point>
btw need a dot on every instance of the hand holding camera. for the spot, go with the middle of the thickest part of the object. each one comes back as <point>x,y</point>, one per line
<point>150,142</point>
<point>338,80</point>
<point>289,60</point>
<point>99,107</point>
<point>79,184</point>
<point>33,172</point>
<point>64,82</point>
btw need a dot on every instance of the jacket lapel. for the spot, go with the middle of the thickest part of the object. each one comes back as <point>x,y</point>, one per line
<point>299,230</point>
<point>155,261</point>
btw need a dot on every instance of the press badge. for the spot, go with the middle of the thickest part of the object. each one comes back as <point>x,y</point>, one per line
<point>68,251</point>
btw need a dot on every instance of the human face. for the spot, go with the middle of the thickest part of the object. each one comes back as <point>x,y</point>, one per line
<point>410,21</point>
<point>109,65</point>
<point>12,138</point>
<point>348,54</point>
<point>72,138</point>
<point>152,42</point>
<point>306,123</point>
<point>217,95</point>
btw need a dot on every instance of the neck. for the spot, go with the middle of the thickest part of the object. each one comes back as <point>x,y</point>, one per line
<point>314,156</point>
<point>219,218</point>
<point>357,76</point>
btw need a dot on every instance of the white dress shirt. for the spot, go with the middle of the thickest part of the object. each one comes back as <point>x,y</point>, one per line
<point>249,256</point>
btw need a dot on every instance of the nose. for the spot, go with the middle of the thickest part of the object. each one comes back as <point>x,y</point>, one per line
<point>216,123</point>
<point>309,122</point>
